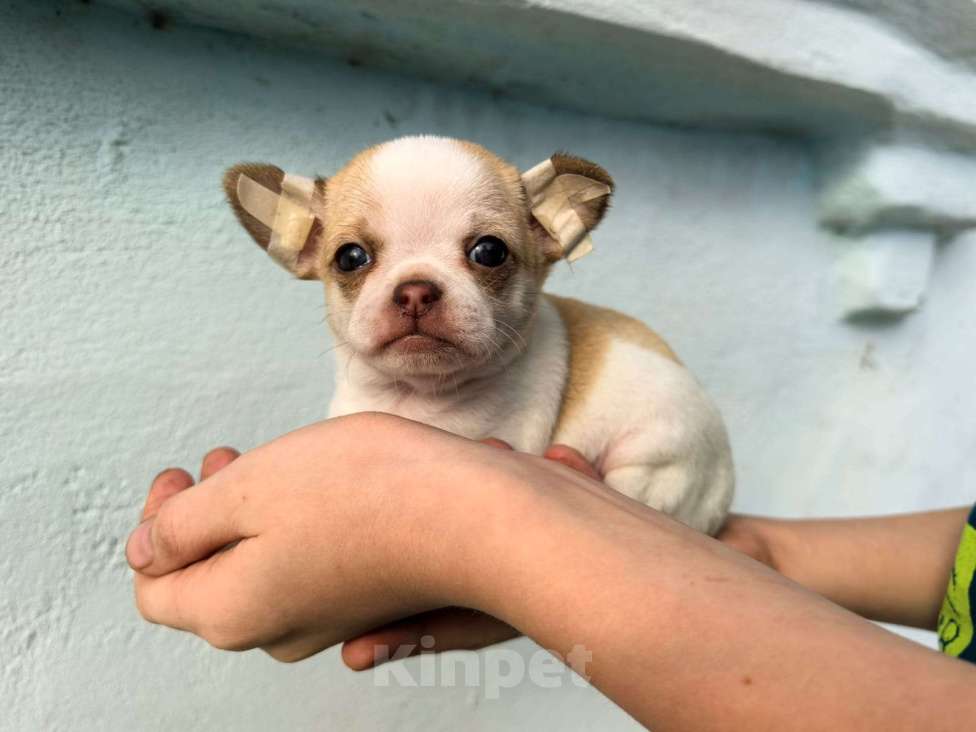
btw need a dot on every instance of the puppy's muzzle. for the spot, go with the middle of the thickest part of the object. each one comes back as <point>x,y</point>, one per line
<point>416,298</point>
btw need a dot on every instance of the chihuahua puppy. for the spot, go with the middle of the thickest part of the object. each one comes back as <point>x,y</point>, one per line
<point>433,253</point>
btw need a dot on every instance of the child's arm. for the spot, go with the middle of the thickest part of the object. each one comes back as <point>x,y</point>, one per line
<point>679,631</point>
<point>893,569</point>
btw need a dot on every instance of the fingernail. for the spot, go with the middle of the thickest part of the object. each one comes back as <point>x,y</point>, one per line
<point>139,550</point>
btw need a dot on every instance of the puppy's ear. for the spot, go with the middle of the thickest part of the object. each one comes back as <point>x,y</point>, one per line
<point>279,210</point>
<point>568,197</point>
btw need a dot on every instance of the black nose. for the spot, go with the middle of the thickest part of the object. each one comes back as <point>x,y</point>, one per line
<point>416,297</point>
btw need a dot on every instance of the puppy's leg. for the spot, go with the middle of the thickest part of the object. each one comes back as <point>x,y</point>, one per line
<point>666,448</point>
<point>677,489</point>
<point>662,487</point>
<point>641,418</point>
<point>676,460</point>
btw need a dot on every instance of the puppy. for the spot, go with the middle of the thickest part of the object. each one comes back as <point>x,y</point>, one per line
<point>433,253</point>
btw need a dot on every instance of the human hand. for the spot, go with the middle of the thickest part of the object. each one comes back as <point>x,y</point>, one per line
<point>452,628</point>
<point>231,619</point>
<point>448,629</point>
<point>333,529</point>
<point>752,536</point>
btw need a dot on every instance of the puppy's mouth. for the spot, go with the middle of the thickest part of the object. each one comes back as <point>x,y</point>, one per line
<point>418,343</point>
<point>418,340</point>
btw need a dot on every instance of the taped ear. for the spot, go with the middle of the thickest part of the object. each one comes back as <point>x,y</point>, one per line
<point>568,197</point>
<point>277,209</point>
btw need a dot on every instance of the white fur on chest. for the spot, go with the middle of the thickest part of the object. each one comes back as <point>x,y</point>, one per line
<point>519,404</point>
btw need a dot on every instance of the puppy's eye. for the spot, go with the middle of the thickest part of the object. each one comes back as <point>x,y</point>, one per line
<point>351,257</point>
<point>489,251</point>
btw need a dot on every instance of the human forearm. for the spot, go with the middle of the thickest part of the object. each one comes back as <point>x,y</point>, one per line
<point>892,568</point>
<point>348,525</point>
<point>688,635</point>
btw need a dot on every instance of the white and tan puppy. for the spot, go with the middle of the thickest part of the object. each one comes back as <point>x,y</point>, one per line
<point>433,253</point>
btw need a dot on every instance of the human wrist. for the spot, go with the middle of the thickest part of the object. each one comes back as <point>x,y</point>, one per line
<point>499,531</point>
<point>776,540</point>
<point>559,536</point>
<point>457,518</point>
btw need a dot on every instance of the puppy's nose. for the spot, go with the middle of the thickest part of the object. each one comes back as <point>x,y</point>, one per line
<point>416,297</point>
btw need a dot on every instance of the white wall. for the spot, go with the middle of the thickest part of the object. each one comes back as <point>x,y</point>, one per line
<point>140,326</point>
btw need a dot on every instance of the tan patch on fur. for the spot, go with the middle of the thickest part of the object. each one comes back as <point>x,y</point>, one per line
<point>347,205</point>
<point>350,283</point>
<point>591,330</point>
<point>529,248</point>
<point>494,279</point>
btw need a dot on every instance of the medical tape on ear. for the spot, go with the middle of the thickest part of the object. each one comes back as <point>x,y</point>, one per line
<point>288,214</point>
<point>557,203</point>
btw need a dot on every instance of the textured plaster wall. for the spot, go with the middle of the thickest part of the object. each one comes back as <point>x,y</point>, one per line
<point>814,67</point>
<point>140,326</point>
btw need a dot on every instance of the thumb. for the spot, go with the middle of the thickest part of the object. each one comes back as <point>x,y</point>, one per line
<point>191,525</point>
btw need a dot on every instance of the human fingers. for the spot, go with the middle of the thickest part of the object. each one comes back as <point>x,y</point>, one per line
<point>495,442</point>
<point>186,526</point>
<point>221,599</point>
<point>446,629</point>
<point>166,484</point>
<point>217,459</point>
<point>744,534</point>
<point>572,458</point>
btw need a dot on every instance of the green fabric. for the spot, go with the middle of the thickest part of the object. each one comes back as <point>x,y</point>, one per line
<point>956,619</point>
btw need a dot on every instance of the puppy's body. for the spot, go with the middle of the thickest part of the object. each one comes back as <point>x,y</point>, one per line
<point>433,257</point>
<point>590,378</point>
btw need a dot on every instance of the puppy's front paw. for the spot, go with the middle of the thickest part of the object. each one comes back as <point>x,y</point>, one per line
<point>677,490</point>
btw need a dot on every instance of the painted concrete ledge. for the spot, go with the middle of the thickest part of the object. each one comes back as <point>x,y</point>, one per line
<point>806,67</point>
<point>886,88</point>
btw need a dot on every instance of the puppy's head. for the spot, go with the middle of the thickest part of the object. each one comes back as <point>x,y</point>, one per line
<point>432,250</point>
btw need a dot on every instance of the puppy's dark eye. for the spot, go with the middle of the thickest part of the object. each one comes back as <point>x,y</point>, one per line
<point>351,257</point>
<point>489,251</point>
